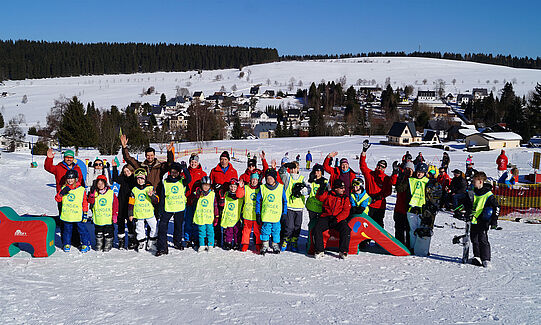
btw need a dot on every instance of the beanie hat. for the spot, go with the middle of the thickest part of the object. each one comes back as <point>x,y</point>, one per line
<point>252,162</point>
<point>176,166</point>
<point>225,154</point>
<point>409,165</point>
<point>382,163</point>
<point>102,178</point>
<point>344,160</point>
<point>338,183</point>
<point>272,173</point>
<point>254,175</point>
<point>69,153</point>
<point>318,167</point>
<point>194,157</point>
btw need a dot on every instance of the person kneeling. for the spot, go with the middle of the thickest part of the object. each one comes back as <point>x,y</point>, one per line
<point>336,207</point>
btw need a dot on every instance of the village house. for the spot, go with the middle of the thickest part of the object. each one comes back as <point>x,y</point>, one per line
<point>464,99</point>
<point>426,95</point>
<point>402,133</point>
<point>493,140</point>
<point>479,93</point>
<point>198,95</point>
<point>265,130</point>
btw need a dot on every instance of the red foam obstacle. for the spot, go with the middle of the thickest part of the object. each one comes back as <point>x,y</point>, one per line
<point>39,232</point>
<point>362,228</point>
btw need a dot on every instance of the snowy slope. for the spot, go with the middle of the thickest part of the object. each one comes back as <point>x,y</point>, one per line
<point>121,90</point>
<point>232,287</point>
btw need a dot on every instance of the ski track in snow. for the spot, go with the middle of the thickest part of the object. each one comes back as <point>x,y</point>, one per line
<point>243,288</point>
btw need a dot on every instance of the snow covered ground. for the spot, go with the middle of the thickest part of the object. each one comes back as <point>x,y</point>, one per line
<point>243,288</point>
<point>121,90</point>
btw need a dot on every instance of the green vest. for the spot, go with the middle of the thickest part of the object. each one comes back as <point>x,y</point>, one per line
<point>102,213</point>
<point>175,196</point>
<point>362,199</point>
<point>72,205</point>
<point>204,210</point>
<point>142,208</point>
<point>250,194</point>
<point>231,212</point>
<point>294,202</point>
<point>312,203</point>
<point>271,203</point>
<point>417,189</point>
<point>479,205</point>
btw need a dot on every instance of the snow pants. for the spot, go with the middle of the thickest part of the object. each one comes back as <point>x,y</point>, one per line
<point>233,234</point>
<point>326,223</point>
<point>67,231</point>
<point>271,229</point>
<point>206,231</point>
<point>479,240</point>
<point>250,225</point>
<point>189,227</point>
<point>140,228</point>
<point>377,215</point>
<point>75,237</point>
<point>291,224</point>
<point>123,219</point>
<point>107,230</point>
<point>401,228</point>
<point>163,226</point>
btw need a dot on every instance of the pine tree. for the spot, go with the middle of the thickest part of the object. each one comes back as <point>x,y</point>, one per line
<point>237,131</point>
<point>163,100</point>
<point>131,127</point>
<point>74,128</point>
<point>534,110</point>
<point>93,120</point>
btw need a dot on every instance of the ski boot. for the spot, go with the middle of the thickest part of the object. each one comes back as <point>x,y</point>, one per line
<point>141,245</point>
<point>108,243</point>
<point>476,261</point>
<point>487,264</point>
<point>319,255</point>
<point>283,247</point>
<point>162,252</point>
<point>132,242</point>
<point>294,244</point>
<point>179,246</point>
<point>85,249</point>
<point>121,241</point>
<point>237,247</point>
<point>342,255</point>
<point>227,246</point>
<point>99,242</point>
<point>67,248</point>
<point>209,248</point>
<point>151,244</point>
<point>276,248</point>
<point>264,247</point>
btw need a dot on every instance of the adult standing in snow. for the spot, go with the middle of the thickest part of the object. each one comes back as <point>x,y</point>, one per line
<point>220,176</point>
<point>407,157</point>
<point>59,171</point>
<point>98,168</point>
<point>285,159</point>
<point>308,159</point>
<point>344,172</point>
<point>502,162</point>
<point>445,161</point>
<point>251,169</point>
<point>196,174</point>
<point>419,159</point>
<point>378,185</point>
<point>127,181</point>
<point>400,179</point>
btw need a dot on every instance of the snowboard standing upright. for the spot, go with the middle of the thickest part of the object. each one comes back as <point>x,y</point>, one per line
<point>464,241</point>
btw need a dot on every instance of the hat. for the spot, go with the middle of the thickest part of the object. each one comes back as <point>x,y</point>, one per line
<point>421,168</point>
<point>357,181</point>
<point>72,173</point>
<point>225,154</point>
<point>205,180</point>
<point>344,160</point>
<point>271,172</point>
<point>252,162</point>
<point>140,172</point>
<point>254,175</point>
<point>176,166</point>
<point>234,181</point>
<point>194,157</point>
<point>102,178</point>
<point>338,183</point>
<point>69,153</point>
<point>409,165</point>
<point>318,167</point>
<point>382,163</point>
<point>457,171</point>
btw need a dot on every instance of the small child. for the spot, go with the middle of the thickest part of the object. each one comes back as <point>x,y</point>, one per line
<point>74,210</point>
<point>206,214</point>
<point>248,214</point>
<point>231,213</point>
<point>140,208</point>
<point>360,200</point>
<point>269,209</point>
<point>485,213</point>
<point>104,205</point>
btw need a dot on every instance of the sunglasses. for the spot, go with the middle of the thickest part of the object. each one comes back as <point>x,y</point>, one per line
<point>98,164</point>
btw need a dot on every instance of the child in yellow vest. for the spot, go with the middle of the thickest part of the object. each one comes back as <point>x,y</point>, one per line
<point>248,214</point>
<point>104,204</point>
<point>141,209</point>
<point>360,200</point>
<point>74,211</point>
<point>231,215</point>
<point>206,214</point>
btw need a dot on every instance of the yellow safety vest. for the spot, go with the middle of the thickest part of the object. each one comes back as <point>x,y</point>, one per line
<point>72,205</point>
<point>204,210</point>
<point>417,189</point>
<point>361,200</point>
<point>175,196</point>
<point>294,202</point>
<point>271,203</point>
<point>479,205</point>
<point>250,194</point>
<point>312,203</point>
<point>102,213</point>
<point>142,208</point>
<point>231,212</point>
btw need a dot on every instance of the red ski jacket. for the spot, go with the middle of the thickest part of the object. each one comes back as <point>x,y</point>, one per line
<point>60,170</point>
<point>336,172</point>
<point>502,162</point>
<point>196,174</point>
<point>335,205</point>
<point>377,183</point>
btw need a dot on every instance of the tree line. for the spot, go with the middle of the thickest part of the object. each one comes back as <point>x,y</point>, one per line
<point>23,59</point>
<point>499,59</point>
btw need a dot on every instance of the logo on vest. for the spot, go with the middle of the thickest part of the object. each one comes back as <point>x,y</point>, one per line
<point>102,202</point>
<point>20,233</point>
<point>204,203</point>
<point>174,189</point>
<point>271,198</point>
<point>231,206</point>
<point>141,197</point>
<point>71,197</point>
<point>253,196</point>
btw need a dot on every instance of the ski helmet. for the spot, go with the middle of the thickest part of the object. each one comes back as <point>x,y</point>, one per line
<point>140,172</point>
<point>357,181</point>
<point>206,180</point>
<point>318,167</point>
<point>72,173</point>
<point>421,168</point>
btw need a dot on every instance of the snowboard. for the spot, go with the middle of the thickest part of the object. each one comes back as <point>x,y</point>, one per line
<point>464,241</point>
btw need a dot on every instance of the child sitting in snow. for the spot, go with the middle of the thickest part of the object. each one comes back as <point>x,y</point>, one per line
<point>206,214</point>
<point>141,209</point>
<point>104,204</point>
<point>231,215</point>
<point>74,210</point>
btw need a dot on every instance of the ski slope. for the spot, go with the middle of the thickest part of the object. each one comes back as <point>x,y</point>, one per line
<point>125,287</point>
<point>121,90</point>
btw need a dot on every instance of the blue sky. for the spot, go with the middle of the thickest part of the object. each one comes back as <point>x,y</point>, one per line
<point>292,27</point>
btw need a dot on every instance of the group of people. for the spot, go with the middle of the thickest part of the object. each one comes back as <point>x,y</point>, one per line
<point>223,209</point>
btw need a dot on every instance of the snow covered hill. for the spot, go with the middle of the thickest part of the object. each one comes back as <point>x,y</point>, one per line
<point>124,287</point>
<point>121,90</point>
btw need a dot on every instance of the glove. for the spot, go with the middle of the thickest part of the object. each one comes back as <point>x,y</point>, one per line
<point>64,191</point>
<point>375,197</point>
<point>258,219</point>
<point>320,181</point>
<point>183,165</point>
<point>217,187</point>
<point>366,145</point>
<point>216,220</point>
<point>85,217</point>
